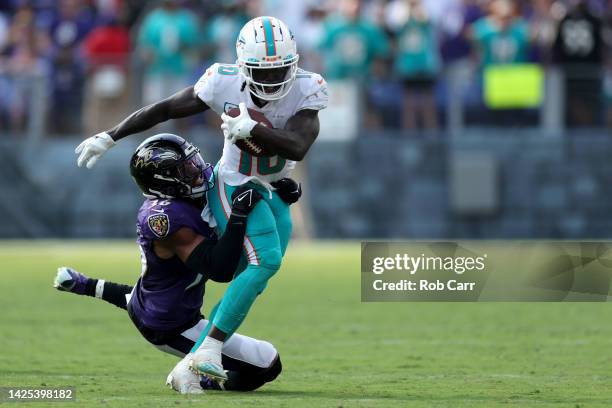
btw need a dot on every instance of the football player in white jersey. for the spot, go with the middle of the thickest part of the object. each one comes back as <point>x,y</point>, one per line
<point>265,78</point>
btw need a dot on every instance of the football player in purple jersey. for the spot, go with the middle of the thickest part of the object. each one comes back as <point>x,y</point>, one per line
<point>180,252</point>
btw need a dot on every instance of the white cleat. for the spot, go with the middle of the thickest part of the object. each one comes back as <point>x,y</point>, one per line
<point>207,362</point>
<point>183,380</point>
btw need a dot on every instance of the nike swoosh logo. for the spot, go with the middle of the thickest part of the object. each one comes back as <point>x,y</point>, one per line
<point>244,195</point>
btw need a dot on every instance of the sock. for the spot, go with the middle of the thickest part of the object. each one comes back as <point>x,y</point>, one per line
<point>111,292</point>
<point>115,293</point>
<point>90,287</point>
<point>204,333</point>
<point>212,345</point>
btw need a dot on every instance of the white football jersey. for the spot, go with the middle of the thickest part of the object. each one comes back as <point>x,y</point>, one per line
<point>221,88</point>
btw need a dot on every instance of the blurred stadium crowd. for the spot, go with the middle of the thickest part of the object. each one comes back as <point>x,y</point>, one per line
<point>91,61</point>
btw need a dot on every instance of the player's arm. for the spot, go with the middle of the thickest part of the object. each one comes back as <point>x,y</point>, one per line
<point>216,260</point>
<point>182,104</point>
<point>294,141</point>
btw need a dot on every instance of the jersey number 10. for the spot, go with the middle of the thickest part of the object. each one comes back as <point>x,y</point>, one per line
<point>263,165</point>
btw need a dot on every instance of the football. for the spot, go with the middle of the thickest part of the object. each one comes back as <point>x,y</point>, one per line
<point>249,145</point>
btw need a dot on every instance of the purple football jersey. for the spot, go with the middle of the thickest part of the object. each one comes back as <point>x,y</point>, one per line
<point>168,294</point>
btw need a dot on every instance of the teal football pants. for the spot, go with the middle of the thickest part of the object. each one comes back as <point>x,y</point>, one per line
<point>267,236</point>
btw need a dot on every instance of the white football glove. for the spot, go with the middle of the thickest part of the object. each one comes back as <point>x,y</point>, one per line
<point>239,127</point>
<point>92,148</point>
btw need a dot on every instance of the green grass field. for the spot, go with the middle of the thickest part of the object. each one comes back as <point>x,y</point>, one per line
<point>336,351</point>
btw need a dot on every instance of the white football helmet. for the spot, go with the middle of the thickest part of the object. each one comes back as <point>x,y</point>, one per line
<point>267,57</point>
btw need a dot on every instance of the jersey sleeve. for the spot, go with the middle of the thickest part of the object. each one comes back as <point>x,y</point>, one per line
<point>315,93</point>
<point>164,218</point>
<point>205,87</point>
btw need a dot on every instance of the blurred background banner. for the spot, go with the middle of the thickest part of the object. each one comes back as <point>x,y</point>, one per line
<point>448,118</point>
<point>471,271</point>
<point>513,86</point>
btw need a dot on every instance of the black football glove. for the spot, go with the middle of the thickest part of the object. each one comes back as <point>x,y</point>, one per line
<point>288,190</point>
<point>244,199</point>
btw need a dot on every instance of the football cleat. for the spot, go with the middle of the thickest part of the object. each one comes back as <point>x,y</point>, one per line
<point>208,363</point>
<point>208,384</point>
<point>69,280</point>
<point>184,381</point>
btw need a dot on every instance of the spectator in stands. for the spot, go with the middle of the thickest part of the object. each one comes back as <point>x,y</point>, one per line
<point>71,24</point>
<point>608,56</point>
<point>21,63</point>
<point>543,20</point>
<point>108,43</point>
<point>67,29</point>
<point>4,30</point>
<point>417,64</point>
<point>578,50</point>
<point>222,31</point>
<point>382,97</point>
<point>106,50</point>
<point>46,12</point>
<point>311,34</point>
<point>66,79</point>
<point>167,38</point>
<point>109,8</point>
<point>455,45</point>
<point>501,37</point>
<point>351,44</point>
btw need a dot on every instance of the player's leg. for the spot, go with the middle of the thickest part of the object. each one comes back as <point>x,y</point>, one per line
<point>70,280</point>
<point>250,362</point>
<point>239,348</point>
<point>284,226</point>
<point>264,253</point>
<point>240,295</point>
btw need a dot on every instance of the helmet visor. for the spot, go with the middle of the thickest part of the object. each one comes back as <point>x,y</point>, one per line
<point>196,173</point>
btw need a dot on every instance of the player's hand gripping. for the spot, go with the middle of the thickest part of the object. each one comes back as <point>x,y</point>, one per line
<point>244,199</point>
<point>91,149</point>
<point>288,190</point>
<point>239,127</point>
